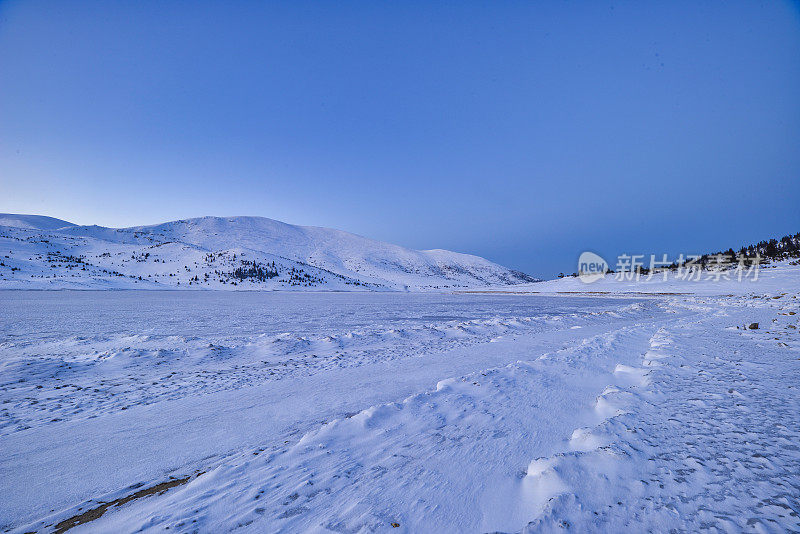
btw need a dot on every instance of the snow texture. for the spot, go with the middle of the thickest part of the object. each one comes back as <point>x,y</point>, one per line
<point>362,412</point>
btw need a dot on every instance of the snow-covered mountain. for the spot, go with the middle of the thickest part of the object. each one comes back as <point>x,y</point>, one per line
<point>39,252</point>
<point>34,222</point>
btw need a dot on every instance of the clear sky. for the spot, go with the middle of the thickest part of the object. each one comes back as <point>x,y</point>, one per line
<point>525,132</point>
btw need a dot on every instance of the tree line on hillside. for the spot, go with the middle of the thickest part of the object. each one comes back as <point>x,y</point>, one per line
<point>787,247</point>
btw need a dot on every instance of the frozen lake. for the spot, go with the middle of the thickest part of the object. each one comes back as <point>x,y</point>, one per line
<point>237,315</point>
<point>350,412</point>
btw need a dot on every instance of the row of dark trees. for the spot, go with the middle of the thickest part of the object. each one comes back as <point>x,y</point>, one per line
<point>775,249</point>
<point>784,248</point>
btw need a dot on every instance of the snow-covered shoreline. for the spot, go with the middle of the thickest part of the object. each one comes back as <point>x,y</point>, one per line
<point>772,278</point>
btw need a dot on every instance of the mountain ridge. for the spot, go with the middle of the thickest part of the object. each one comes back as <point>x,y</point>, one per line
<point>36,222</point>
<point>242,252</point>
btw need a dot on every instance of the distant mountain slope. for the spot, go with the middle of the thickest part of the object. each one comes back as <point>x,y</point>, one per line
<point>227,253</point>
<point>37,222</point>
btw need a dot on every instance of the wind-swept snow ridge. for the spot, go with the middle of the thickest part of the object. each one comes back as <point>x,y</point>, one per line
<point>226,253</point>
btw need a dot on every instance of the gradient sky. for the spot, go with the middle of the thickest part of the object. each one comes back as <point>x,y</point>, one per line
<point>525,132</point>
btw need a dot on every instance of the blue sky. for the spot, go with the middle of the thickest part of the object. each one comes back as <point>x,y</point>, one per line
<point>525,132</point>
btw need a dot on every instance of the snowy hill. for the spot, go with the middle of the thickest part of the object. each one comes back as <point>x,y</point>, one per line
<point>34,222</point>
<point>226,253</point>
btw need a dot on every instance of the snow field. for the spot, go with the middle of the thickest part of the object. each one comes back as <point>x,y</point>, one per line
<point>664,414</point>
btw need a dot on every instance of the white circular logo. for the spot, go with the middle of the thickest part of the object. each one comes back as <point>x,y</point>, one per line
<point>591,267</point>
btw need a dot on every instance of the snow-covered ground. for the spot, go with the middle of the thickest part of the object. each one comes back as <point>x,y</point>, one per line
<point>359,412</point>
